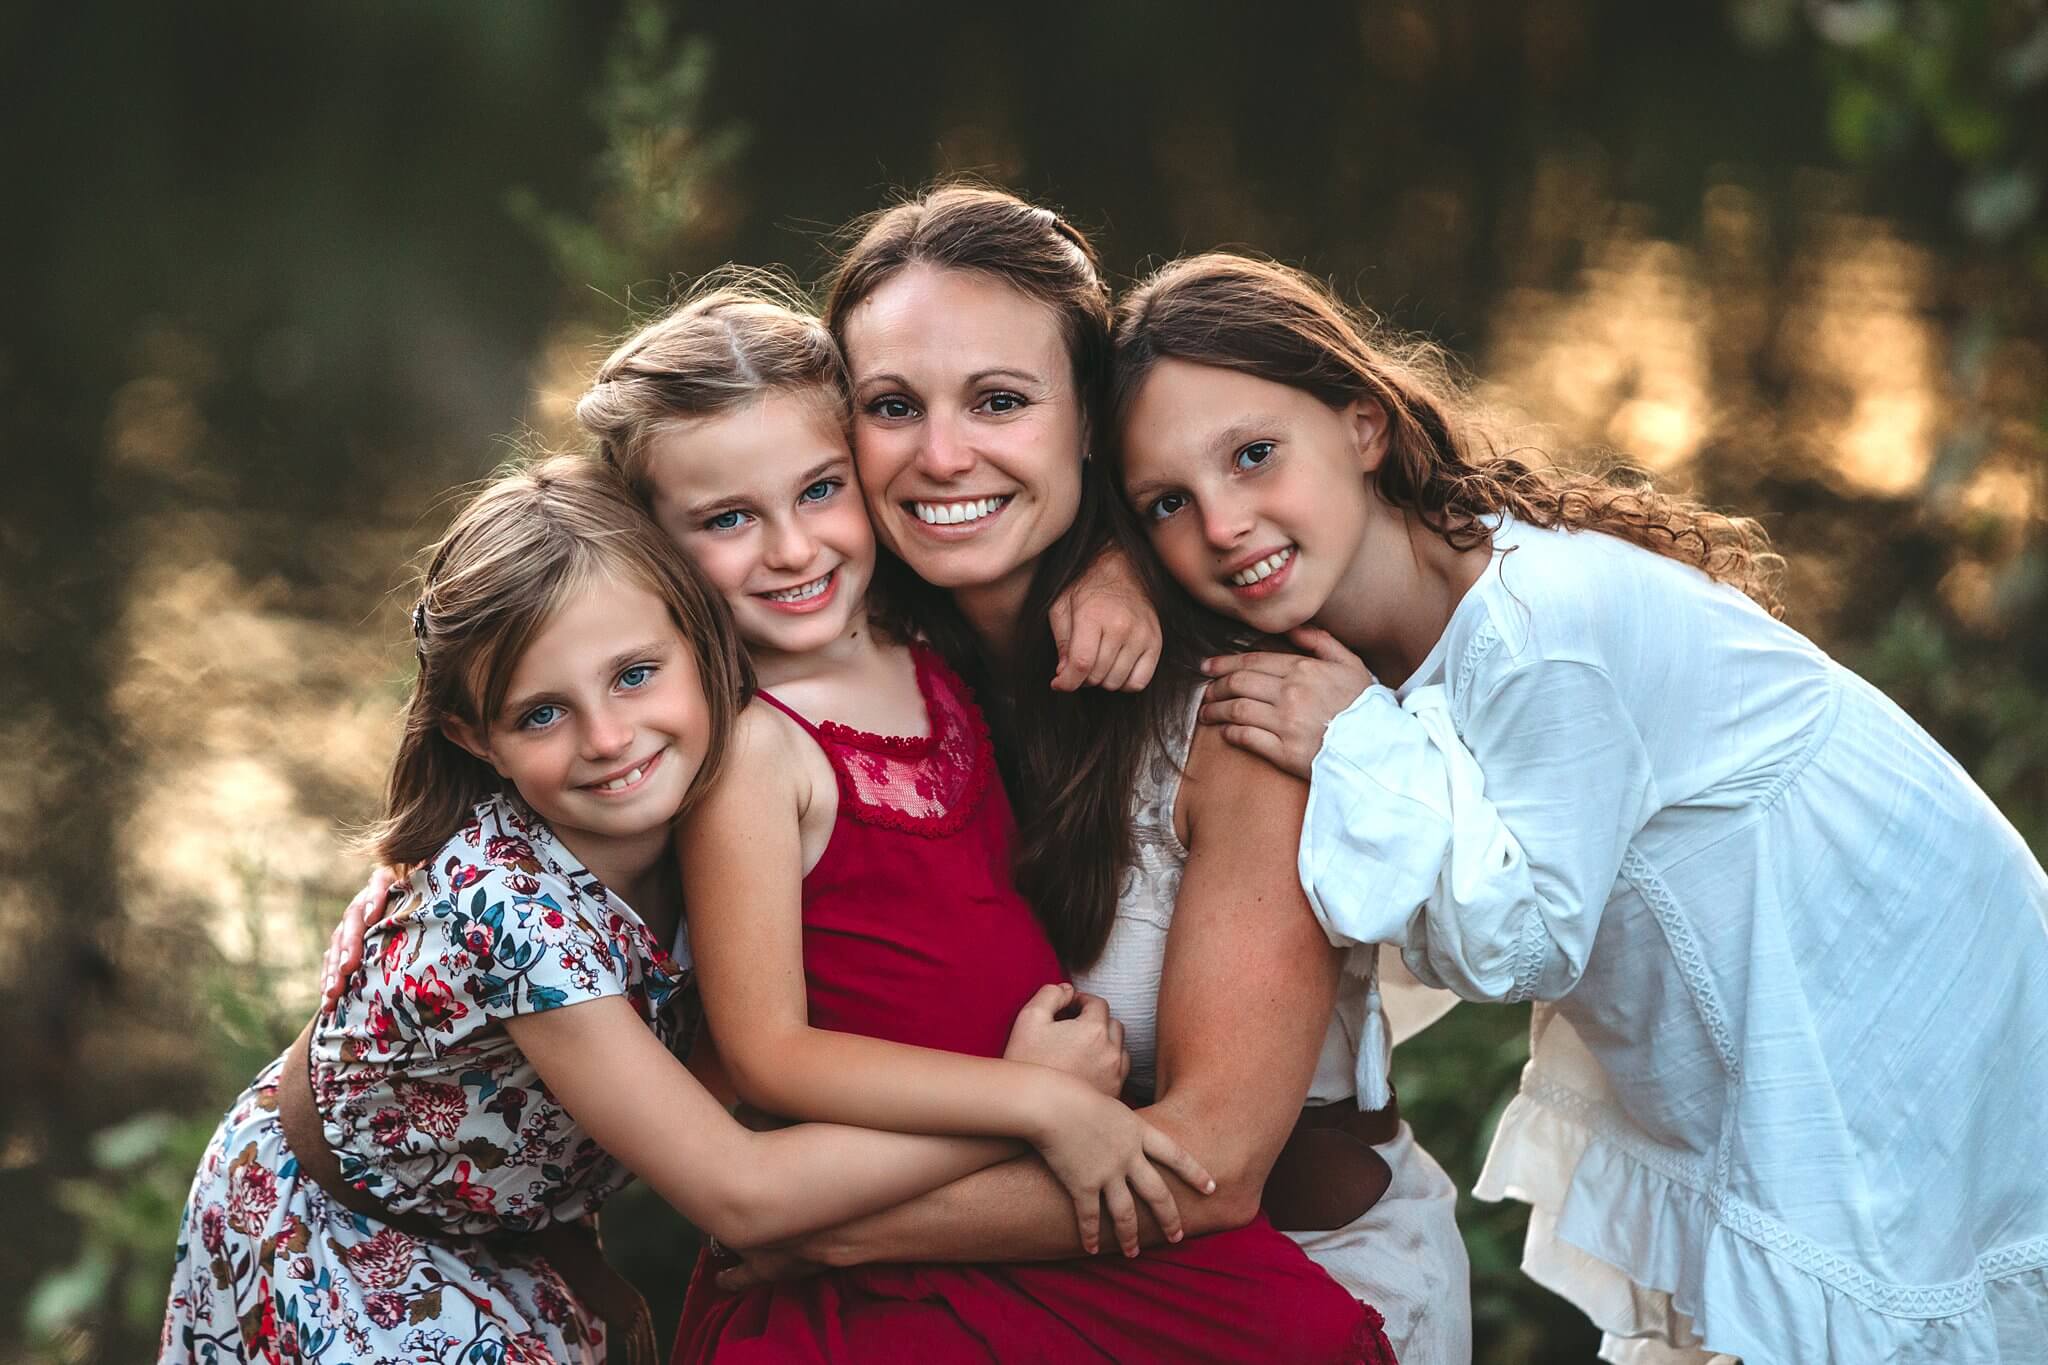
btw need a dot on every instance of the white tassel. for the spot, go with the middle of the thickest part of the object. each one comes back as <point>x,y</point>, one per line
<point>1375,1057</point>
<point>1375,1049</point>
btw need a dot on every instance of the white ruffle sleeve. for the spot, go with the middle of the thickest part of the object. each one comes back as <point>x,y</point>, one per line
<point>1492,880</point>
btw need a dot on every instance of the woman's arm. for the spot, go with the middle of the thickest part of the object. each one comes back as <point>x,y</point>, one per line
<point>1245,999</point>
<point>614,1077</point>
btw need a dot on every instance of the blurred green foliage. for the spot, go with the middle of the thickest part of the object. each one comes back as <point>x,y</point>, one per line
<point>1934,106</point>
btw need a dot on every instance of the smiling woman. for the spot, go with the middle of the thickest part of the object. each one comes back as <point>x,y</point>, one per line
<point>967,414</point>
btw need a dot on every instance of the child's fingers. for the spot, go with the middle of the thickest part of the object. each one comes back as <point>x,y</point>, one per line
<point>1047,1001</point>
<point>1158,1197</point>
<point>1259,686</point>
<point>1088,1217</point>
<point>1061,618</point>
<point>1077,661</point>
<point>1263,715</point>
<point>1148,663</point>
<point>344,950</point>
<point>1278,665</point>
<point>1322,644</point>
<point>1094,1010</point>
<point>1116,676</point>
<point>738,1278</point>
<point>1176,1158</point>
<point>1265,744</point>
<point>1123,1214</point>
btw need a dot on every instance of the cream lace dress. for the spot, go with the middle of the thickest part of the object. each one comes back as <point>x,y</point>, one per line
<point>1404,1257</point>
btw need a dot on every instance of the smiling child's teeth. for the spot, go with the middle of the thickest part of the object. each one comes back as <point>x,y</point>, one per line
<point>802,592</point>
<point>1265,568</point>
<point>619,784</point>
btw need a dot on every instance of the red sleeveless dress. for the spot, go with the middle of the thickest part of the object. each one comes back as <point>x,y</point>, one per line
<point>914,932</point>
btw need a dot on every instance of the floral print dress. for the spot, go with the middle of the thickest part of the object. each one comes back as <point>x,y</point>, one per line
<point>430,1108</point>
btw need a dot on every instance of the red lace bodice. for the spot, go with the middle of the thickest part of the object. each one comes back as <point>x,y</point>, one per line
<point>913,930</point>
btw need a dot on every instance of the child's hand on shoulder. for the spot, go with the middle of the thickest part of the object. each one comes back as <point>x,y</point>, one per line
<point>1106,628</point>
<point>345,946</point>
<point>1278,705</point>
<point>1090,1045</point>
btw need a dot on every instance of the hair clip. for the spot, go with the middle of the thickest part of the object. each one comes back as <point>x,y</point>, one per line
<point>419,622</point>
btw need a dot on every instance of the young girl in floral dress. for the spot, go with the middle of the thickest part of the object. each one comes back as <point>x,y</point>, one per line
<point>413,1180</point>
<point>1784,1100</point>
<point>861,946</point>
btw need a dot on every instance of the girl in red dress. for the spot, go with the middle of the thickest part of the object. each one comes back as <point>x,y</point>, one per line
<point>861,947</point>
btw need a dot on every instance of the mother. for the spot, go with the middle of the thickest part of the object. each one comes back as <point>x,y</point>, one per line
<point>976,331</point>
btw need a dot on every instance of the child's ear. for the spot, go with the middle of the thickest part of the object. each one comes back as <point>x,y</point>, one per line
<point>1368,423</point>
<point>466,736</point>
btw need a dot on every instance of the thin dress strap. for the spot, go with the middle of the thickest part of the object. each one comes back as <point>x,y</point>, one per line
<point>925,784</point>
<point>789,711</point>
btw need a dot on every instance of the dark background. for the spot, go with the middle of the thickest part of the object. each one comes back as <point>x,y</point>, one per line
<point>276,277</point>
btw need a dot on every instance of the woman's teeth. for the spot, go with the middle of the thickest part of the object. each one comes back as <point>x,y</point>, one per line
<point>802,592</point>
<point>1265,568</point>
<point>953,513</point>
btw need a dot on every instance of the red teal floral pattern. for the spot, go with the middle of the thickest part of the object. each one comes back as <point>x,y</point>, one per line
<point>430,1108</point>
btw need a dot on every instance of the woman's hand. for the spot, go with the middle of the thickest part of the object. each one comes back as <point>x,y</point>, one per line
<point>1103,1153</point>
<point>1090,1045</point>
<point>1106,629</point>
<point>767,1265</point>
<point>1278,705</point>
<point>345,946</point>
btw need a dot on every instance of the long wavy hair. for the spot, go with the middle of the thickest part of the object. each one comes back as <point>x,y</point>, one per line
<point>521,546</point>
<point>1070,760</point>
<point>1447,461</point>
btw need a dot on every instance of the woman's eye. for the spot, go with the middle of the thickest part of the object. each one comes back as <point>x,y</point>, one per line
<point>1254,455</point>
<point>891,407</point>
<point>540,717</point>
<point>819,491</point>
<point>1003,402</point>
<point>1166,505</point>
<point>725,521</point>
<point>636,676</point>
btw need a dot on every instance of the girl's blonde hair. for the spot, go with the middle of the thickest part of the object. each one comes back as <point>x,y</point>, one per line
<point>738,335</point>
<point>524,544</point>
<point>1445,461</point>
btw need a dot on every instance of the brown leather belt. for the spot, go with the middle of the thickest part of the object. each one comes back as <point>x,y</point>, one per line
<point>570,1249</point>
<point>1328,1175</point>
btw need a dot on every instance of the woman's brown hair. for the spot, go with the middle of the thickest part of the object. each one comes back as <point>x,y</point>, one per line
<point>1070,759</point>
<point>1445,461</point>
<point>520,547</point>
<point>739,334</point>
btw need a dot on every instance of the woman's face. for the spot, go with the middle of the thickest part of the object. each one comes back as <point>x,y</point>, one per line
<point>967,428</point>
<point>1255,493</point>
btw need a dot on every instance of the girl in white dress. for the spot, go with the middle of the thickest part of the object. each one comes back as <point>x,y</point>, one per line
<point>1785,1097</point>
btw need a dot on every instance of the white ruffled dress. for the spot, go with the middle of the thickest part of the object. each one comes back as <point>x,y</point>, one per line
<point>1788,1092</point>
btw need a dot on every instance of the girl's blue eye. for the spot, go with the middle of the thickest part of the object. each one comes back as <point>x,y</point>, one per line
<point>1166,505</point>
<point>636,676</point>
<point>819,491</point>
<point>891,407</point>
<point>1254,455</point>
<point>540,717</point>
<point>725,521</point>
